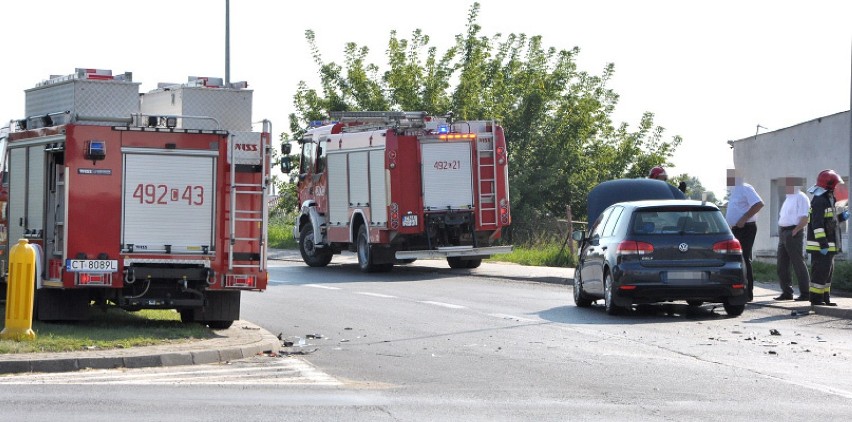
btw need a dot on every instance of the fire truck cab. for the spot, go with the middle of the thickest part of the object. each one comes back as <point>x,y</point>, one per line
<point>154,201</point>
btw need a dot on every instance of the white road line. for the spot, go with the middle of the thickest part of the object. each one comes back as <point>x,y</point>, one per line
<point>445,305</point>
<point>507,316</point>
<point>376,295</point>
<point>320,286</point>
<point>287,371</point>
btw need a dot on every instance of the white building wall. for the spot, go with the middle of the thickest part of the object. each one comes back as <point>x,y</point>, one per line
<point>801,151</point>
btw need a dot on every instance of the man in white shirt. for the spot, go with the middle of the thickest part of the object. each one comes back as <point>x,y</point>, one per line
<point>743,206</point>
<point>792,221</point>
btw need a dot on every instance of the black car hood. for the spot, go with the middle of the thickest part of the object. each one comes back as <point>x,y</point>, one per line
<point>622,190</point>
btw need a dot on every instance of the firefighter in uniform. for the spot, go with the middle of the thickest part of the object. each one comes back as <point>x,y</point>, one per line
<point>823,235</point>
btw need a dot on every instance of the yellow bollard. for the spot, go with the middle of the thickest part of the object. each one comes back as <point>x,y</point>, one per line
<point>20,288</point>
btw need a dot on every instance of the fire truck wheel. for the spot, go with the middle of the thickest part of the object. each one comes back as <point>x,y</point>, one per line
<point>313,256</point>
<point>456,262</point>
<point>365,254</point>
<point>219,325</point>
<point>187,316</point>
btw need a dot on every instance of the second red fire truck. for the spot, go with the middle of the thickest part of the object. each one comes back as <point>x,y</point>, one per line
<point>156,201</point>
<point>397,186</point>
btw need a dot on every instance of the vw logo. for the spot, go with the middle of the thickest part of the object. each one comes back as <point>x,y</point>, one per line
<point>683,247</point>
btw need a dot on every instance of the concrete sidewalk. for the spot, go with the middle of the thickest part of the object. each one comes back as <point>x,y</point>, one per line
<point>245,339</point>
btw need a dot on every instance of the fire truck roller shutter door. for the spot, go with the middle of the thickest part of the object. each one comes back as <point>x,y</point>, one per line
<point>168,200</point>
<point>17,192</point>
<point>338,190</point>
<point>447,176</point>
<point>359,195</point>
<point>378,193</point>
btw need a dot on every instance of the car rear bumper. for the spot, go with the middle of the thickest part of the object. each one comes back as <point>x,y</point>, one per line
<point>720,285</point>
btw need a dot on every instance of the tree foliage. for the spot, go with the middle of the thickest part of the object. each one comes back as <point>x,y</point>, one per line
<point>557,119</point>
<point>695,190</point>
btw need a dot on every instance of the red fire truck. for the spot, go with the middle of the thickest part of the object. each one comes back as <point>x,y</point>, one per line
<point>398,186</point>
<point>156,201</point>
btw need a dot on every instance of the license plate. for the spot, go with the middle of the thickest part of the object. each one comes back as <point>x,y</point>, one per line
<point>686,276</point>
<point>91,265</point>
<point>409,220</point>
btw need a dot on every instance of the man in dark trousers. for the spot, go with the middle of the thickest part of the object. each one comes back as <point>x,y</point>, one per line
<point>792,224</point>
<point>743,206</point>
<point>824,235</point>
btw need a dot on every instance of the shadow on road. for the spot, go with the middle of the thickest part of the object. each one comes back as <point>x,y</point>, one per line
<point>639,314</point>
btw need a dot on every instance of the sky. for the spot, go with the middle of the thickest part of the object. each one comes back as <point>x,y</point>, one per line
<point>709,71</point>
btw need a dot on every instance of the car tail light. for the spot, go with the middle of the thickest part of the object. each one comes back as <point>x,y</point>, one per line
<point>632,247</point>
<point>728,247</point>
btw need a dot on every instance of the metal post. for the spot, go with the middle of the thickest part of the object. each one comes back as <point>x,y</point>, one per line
<point>570,228</point>
<point>227,43</point>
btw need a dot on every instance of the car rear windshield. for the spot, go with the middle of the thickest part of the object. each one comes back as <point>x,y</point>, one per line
<point>679,221</point>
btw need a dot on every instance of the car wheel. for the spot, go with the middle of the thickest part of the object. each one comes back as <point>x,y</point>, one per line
<point>609,294</point>
<point>734,310</point>
<point>311,254</point>
<point>580,298</point>
<point>474,263</point>
<point>694,303</point>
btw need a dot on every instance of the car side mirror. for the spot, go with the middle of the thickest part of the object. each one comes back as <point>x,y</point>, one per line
<point>595,240</point>
<point>577,235</point>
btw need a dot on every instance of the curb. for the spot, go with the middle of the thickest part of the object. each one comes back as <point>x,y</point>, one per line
<point>830,311</point>
<point>198,353</point>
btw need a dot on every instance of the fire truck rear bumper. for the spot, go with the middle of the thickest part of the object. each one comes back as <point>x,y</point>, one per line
<point>448,251</point>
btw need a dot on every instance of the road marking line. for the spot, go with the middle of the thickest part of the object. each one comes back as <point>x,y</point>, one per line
<point>376,295</point>
<point>445,305</point>
<point>280,281</point>
<point>286,371</point>
<point>320,286</point>
<point>507,316</point>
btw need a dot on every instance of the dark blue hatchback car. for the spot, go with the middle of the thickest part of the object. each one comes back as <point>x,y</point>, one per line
<point>660,250</point>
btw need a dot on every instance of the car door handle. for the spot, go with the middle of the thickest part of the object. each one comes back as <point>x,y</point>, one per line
<point>603,248</point>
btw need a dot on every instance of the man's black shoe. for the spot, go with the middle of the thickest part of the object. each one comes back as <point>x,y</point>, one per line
<point>784,297</point>
<point>830,303</point>
<point>802,299</point>
<point>817,303</point>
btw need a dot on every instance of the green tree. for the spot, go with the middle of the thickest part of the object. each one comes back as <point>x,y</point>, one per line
<point>557,119</point>
<point>694,189</point>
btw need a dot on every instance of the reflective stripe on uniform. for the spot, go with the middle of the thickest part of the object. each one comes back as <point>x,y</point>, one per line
<point>819,288</point>
<point>815,246</point>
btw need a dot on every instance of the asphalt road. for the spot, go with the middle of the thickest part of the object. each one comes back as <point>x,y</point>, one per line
<point>429,343</point>
<point>493,349</point>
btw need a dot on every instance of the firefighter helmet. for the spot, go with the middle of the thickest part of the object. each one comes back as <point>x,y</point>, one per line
<point>658,173</point>
<point>828,179</point>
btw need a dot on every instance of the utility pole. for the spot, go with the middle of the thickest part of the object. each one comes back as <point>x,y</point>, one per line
<point>227,43</point>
